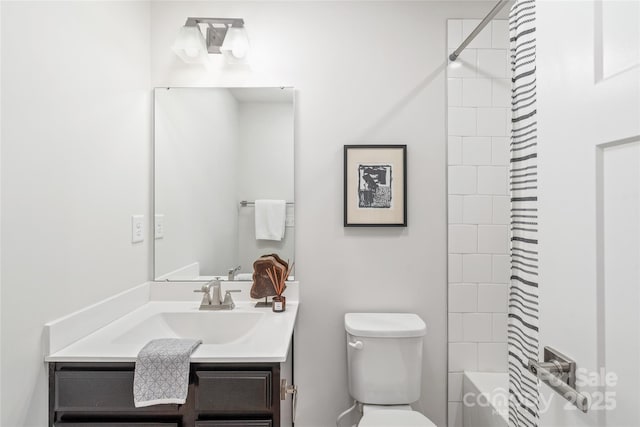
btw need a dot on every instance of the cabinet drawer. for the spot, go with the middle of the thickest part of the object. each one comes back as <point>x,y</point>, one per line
<point>234,423</point>
<point>120,424</point>
<point>98,391</point>
<point>233,391</point>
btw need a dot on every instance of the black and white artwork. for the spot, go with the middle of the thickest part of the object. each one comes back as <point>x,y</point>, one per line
<point>374,186</point>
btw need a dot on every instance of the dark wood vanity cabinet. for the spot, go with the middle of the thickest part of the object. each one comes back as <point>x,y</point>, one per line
<point>220,395</point>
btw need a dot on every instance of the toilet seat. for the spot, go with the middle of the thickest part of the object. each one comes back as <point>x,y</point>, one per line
<point>395,418</point>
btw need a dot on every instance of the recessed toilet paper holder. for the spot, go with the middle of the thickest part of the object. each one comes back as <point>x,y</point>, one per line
<point>559,372</point>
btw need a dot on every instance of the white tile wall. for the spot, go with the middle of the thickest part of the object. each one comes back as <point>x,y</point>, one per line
<point>463,356</point>
<point>463,297</point>
<point>476,92</point>
<point>477,327</point>
<point>455,327</point>
<point>454,33</point>
<point>492,180</point>
<point>501,268</point>
<point>493,239</point>
<point>465,65</point>
<point>455,268</point>
<point>500,93</point>
<point>454,413</point>
<point>454,152</point>
<point>499,326</point>
<point>492,357</point>
<point>455,386</point>
<point>462,121</point>
<point>455,209</point>
<point>500,150</point>
<point>463,179</point>
<point>492,298</point>
<point>482,40</point>
<point>499,28</point>
<point>476,150</point>
<point>491,122</point>
<point>479,94</point>
<point>476,268</point>
<point>463,239</point>
<point>454,94</point>
<point>492,63</point>
<point>477,209</point>
<point>501,209</point>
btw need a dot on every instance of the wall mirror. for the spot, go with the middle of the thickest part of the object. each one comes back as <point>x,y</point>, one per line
<point>217,151</point>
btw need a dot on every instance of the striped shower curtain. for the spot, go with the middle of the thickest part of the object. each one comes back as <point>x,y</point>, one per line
<point>523,312</point>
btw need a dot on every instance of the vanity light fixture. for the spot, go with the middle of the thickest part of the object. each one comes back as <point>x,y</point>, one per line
<point>223,35</point>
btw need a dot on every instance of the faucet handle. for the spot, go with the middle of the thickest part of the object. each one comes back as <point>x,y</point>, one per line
<point>227,297</point>
<point>204,288</point>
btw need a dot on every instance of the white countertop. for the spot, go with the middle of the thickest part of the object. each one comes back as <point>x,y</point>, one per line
<point>116,329</point>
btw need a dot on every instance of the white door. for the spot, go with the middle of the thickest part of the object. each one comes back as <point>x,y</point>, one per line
<point>589,204</point>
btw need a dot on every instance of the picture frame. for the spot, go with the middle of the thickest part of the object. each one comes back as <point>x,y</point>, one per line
<point>375,185</point>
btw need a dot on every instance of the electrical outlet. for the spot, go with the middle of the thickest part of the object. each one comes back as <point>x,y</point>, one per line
<point>159,226</point>
<point>137,228</point>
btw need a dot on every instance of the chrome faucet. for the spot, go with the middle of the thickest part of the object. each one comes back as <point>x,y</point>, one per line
<point>215,302</point>
<point>232,273</point>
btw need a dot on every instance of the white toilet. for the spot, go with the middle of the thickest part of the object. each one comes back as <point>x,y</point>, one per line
<point>384,357</point>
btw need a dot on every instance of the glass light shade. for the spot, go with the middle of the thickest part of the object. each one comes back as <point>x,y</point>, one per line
<point>190,45</point>
<point>236,42</point>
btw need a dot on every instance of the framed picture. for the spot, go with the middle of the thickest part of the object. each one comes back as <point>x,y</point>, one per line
<point>375,185</point>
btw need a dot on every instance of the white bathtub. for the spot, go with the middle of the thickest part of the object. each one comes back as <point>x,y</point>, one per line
<point>485,399</point>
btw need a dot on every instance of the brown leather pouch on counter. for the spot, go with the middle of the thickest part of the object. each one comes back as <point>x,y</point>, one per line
<point>262,285</point>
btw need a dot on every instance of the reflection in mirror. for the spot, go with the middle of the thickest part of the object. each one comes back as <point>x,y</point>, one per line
<point>217,151</point>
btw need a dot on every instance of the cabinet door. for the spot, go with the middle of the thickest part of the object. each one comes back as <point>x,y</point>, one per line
<point>98,391</point>
<point>233,391</point>
<point>234,423</point>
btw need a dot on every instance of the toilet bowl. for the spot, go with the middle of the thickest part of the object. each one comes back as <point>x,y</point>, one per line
<point>393,416</point>
<point>384,356</point>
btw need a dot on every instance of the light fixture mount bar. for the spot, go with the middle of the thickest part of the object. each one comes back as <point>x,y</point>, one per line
<point>227,22</point>
<point>216,30</point>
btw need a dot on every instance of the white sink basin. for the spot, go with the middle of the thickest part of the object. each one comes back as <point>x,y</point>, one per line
<point>114,330</point>
<point>212,327</point>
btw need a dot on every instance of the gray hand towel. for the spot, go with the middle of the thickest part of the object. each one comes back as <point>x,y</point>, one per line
<point>162,372</point>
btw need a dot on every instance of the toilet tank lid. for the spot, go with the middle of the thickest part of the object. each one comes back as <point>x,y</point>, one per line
<point>384,325</point>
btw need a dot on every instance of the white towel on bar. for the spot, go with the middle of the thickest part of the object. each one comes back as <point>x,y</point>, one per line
<point>270,218</point>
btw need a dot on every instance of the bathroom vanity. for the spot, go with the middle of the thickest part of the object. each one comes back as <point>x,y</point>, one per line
<point>220,395</point>
<point>239,375</point>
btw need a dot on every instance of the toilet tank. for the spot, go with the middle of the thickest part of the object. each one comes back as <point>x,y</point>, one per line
<point>384,357</point>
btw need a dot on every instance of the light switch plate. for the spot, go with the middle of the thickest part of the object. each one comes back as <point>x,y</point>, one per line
<point>159,226</point>
<point>137,228</point>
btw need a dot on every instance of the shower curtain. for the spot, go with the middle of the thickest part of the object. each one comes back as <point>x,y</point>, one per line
<point>522,334</point>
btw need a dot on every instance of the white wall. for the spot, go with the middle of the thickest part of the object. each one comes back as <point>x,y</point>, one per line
<point>197,147</point>
<point>76,120</point>
<point>0,210</point>
<point>577,113</point>
<point>478,128</point>
<point>365,72</point>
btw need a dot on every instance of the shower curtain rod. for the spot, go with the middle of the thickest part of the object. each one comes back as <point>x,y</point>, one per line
<point>479,28</point>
